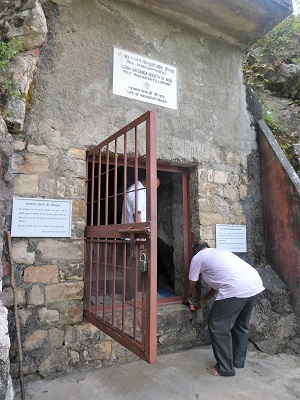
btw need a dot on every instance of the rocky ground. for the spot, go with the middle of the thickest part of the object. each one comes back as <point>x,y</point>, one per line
<point>272,69</point>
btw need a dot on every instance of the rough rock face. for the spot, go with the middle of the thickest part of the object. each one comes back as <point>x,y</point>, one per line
<point>6,391</point>
<point>27,23</point>
<point>23,19</point>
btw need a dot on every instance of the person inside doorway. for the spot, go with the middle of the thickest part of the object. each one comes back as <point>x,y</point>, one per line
<point>138,213</point>
<point>236,285</point>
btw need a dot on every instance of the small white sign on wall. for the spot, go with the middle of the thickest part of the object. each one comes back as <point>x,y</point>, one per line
<point>41,217</point>
<point>144,79</point>
<point>231,237</point>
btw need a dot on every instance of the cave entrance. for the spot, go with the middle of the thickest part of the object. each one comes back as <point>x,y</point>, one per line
<point>173,232</point>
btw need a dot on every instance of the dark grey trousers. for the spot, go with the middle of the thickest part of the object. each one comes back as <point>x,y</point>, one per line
<point>228,324</point>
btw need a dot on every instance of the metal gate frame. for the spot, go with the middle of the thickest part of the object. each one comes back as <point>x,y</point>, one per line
<point>103,241</point>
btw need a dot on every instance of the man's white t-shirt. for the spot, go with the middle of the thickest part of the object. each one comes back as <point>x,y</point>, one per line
<point>130,203</point>
<point>226,273</point>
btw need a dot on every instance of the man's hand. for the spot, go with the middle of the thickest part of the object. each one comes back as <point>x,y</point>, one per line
<point>201,303</point>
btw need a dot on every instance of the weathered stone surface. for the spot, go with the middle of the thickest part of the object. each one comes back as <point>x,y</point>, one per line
<point>15,108</point>
<point>26,185</point>
<point>19,145</point>
<point>77,153</point>
<point>55,249</point>
<point>48,316</point>
<point>20,253</point>
<point>36,295</point>
<point>78,209</point>
<point>63,292</point>
<point>22,71</point>
<point>102,351</point>
<point>72,271</point>
<point>29,26</point>
<point>6,391</point>
<point>41,274</point>
<point>8,296</point>
<point>70,312</point>
<point>8,7</point>
<point>55,362</point>
<point>30,163</point>
<point>55,338</point>
<point>35,339</point>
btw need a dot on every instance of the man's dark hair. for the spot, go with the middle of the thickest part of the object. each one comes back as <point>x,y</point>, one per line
<point>199,245</point>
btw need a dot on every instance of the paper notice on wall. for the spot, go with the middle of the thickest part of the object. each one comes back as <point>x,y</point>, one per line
<point>41,217</point>
<point>144,79</point>
<point>231,237</point>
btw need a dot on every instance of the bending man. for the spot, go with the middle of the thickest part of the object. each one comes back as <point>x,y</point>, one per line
<point>237,285</point>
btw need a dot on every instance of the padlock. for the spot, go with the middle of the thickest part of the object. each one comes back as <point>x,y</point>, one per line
<point>142,262</point>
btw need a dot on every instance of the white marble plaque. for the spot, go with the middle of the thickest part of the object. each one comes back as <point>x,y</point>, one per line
<point>144,79</point>
<point>41,217</point>
<point>231,237</point>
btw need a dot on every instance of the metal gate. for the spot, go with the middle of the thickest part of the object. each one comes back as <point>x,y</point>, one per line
<point>120,256</point>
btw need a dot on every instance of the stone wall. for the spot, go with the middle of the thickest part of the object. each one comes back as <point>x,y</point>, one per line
<point>70,109</point>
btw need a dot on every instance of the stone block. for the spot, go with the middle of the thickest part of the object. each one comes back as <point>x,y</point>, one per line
<point>42,149</point>
<point>70,312</point>
<point>8,299</point>
<point>77,153</point>
<point>231,192</point>
<point>84,333</point>
<point>29,163</point>
<point>20,254</point>
<point>102,351</point>
<point>35,339</point>
<point>33,30</point>
<point>55,338</point>
<point>220,177</point>
<point>211,218</point>
<point>19,145</point>
<point>36,295</point>
<point>48,316</point>
<point>78,209</point>
<point>74,357</point>
<point>55,249</point>
<point>24,314</point>
<point>25,185</point>
<point>63,292</point>
<point>41,274</point>
<point>243,190</point>
<point>16,109</point>
<point>55,362</point>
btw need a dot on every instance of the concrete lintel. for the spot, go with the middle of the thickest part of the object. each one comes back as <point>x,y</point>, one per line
<point>241,22</point>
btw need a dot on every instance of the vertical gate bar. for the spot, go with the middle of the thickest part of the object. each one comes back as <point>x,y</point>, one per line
<point>99,188</point>
<point>104,279</point>
<point>91,274</point>
<point>92,191</point>
<point>114,255</point>
<point>115,182</point>
<point>125,178</point>
<point>151,171</point>
<point>124,248</point>
<point>136,165</point>
<point>186,222</point>
<point>106,184</point>
<point>97,280</point>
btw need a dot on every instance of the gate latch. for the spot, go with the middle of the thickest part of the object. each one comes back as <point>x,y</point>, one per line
<point>142,262</point>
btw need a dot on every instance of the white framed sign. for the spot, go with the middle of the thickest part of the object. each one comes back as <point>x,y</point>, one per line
<point>231,237</point>
<point>144,79</point>
<point>41,217</point>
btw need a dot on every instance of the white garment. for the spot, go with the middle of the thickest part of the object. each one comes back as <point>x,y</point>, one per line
<point>130,203</point>
<point>226,273</point>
